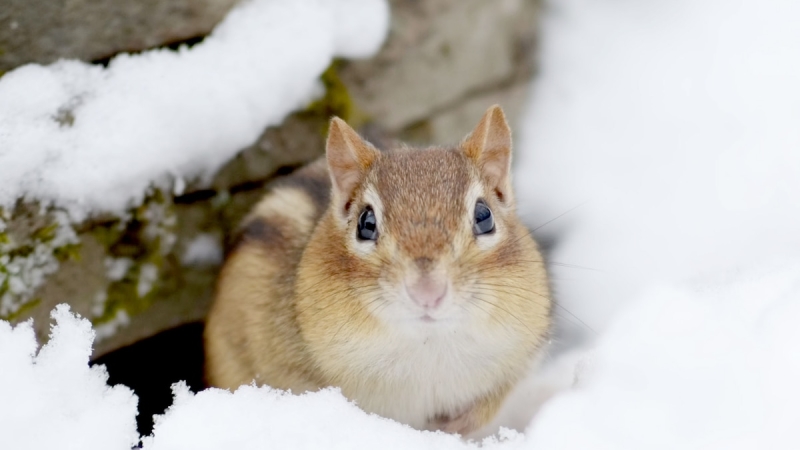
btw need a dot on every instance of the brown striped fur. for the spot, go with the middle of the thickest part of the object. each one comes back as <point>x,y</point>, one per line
<point>302,304</point>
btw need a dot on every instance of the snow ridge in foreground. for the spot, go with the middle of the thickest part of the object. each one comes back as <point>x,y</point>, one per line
<point>711,365</point>
<point>53,399</point>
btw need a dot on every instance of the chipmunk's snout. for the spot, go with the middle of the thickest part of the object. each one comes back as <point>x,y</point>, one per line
<point>426,286</point>
<point>427,291</point>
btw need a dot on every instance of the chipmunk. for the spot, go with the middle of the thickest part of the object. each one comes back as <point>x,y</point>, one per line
<point>402,277</point>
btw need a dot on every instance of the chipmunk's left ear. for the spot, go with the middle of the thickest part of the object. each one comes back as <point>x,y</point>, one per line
<point>489,146</point>
<point>349,158</point>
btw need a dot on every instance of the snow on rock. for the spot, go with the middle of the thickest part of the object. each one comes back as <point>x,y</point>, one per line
<point>204,250</point>
<point>672,127</point>
<point>24,273</point>
<point>88,138</point>
<point>53,399</point>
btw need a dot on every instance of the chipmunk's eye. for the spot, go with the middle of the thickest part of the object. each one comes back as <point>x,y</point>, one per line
<point>484,221</point>
<point>367,225</point>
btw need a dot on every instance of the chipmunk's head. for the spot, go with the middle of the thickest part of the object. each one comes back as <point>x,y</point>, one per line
<point>429,237</point>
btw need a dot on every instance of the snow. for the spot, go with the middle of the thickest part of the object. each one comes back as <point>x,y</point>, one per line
<point>116,268</point>
<point>255,418</point>
<point>109,328</point>
<point>148,275</point>
<point>88,138</point>
<point>713,365</point>
<point>202,251</point>
<point>24,273</point>
<point>53,399</point>
<point>671,126</point>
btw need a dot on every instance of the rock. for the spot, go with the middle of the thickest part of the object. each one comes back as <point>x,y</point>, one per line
<point>298,140</point>
<point>43,31</point>
<point>450,125</point>
<point>441,53</point>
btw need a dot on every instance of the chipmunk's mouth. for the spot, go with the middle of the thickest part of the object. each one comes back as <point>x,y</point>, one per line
<point>432,320</point>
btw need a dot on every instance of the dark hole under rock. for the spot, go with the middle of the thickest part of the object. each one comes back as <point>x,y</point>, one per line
<point>152,365</point>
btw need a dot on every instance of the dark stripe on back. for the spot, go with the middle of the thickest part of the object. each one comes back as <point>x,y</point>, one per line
<point>259,231</point>
<point>313,180</point>
<point>317,187</point>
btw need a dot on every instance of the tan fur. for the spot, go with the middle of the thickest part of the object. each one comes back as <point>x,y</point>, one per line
<point>302,304</point>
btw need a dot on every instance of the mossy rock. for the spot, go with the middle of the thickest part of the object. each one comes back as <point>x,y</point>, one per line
<point>127,274</point>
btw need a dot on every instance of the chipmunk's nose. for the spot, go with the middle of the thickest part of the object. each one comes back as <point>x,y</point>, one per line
<point>427,291</point>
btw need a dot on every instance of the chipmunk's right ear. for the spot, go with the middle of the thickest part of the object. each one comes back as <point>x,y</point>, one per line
<point>489,146</point>
<point>349,157</point>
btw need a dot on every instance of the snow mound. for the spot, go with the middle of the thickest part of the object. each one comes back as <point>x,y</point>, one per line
<point>713,366</point>
<point>53,399</point>
<point>89,138</point>
<point>259,417</point>
<point>672,127</point>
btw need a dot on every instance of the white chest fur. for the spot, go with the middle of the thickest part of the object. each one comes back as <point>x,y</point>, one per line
<point>413,375</point>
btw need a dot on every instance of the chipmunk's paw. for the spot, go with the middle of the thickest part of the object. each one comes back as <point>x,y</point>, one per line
<point>462,424</point>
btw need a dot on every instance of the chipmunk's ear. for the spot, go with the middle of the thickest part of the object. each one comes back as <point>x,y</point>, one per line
<point>489,146</point>
<point>349,157</point>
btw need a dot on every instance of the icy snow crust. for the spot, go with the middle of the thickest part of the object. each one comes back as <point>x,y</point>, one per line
<point>89,138</point>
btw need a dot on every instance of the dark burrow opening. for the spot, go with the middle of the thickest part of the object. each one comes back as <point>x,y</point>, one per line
<point>150,367</point>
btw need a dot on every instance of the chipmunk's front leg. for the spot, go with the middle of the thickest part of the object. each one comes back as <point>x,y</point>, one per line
<point>476,416</point>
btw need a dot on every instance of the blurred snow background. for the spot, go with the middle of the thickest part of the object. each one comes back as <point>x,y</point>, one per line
<point>672,129</point>
<point>667,132</point>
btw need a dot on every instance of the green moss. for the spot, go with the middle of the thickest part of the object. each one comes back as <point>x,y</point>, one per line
<point>123,295</point>
<point>108,233</point>
<point>144,240</point>
<point>336,101</point>
<point>43,236</point>
<point>21,251</point>
<point>46,233</point>
<point>41,249</point>
<point>23,310</point>
<point>69,252</point>
<point>3,285</point>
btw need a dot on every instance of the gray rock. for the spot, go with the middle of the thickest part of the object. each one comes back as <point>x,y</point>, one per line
<point>441,53</point>
<point>452,124</point>
<point>43,31</point>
